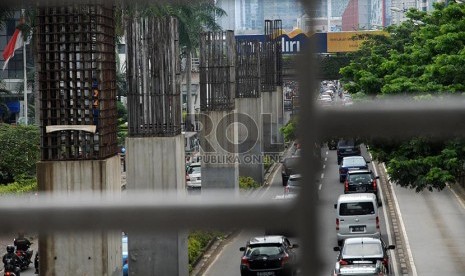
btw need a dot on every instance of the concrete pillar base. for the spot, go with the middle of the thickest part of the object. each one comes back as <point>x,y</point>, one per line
<point>156,164</point>
<point>218,149</point>
<point>250,138</point>
<point>272,108</point>
<point>96,253</point>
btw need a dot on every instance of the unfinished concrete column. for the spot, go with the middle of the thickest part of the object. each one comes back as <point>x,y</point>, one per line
<point>249,110</point>
<point>155,145</point>
<point>77,72</point>
<point>218,136</point>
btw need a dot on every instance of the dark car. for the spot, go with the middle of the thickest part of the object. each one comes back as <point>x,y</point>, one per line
<point>287,105</point>
<point>269,255</point>
<point>347,147</point>
<point>361,181</point>
<point>289,167</point>
<point>351,163</point>
<point>363,251</point>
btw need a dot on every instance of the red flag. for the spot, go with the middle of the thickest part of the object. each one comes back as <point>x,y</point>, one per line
<point>15,43</point>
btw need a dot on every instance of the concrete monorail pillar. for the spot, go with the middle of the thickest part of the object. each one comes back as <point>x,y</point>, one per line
<point>156,164</point>
<point>250,131</point>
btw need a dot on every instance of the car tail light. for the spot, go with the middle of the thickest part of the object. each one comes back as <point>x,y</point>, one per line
<point>377,222</point>
<point>286,189</point>
<point>375,186</point>
<point>346,186</point>
<point>337,224</point>
<point>386,262</point>
<point>343,262</point>
<point>285,259</point>
<point>245,261</point>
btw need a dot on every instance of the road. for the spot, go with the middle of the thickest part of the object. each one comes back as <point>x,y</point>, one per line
<point>227,262</point>
<point>434,223</point>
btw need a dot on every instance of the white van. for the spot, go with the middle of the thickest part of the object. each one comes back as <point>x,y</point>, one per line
<point>357,216</point>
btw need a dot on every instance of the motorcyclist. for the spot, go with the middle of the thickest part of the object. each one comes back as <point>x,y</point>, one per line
<point>36,263</point>
<point>23,244</point>
<point>11,262</point>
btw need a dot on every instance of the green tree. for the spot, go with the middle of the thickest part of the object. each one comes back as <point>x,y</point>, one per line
<point>289,130</point>
<point>20,151</point>
<point>194,19</point>
<point>421,58</point>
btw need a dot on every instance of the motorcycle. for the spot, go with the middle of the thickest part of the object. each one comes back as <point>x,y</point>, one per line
<point>25,258</point>
<point>10,269</point>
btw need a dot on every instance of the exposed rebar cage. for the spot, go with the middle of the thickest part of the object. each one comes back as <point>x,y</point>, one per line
<point>77,73</point>
<point>268,62</point>
<point>153,72</point>
<point>217,71</point>
<point>278,30</point>
<point>248,69</point>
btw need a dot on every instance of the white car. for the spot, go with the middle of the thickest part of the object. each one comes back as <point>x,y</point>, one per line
<point>194,176</point>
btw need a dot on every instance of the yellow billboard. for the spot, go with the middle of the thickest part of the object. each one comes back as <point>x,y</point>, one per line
<point>338,42</point>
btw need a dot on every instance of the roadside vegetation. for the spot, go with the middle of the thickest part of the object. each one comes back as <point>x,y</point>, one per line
<point>289,130</point>
<point>198,243</point>
<point>421,58</point>
<point>268,161</point>
<point>19,151</point>
<point>248,183</point>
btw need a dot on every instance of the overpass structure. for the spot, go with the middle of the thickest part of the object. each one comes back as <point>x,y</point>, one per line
<point>296,41</point>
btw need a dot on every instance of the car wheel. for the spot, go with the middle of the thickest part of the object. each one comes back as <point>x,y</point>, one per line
<point>339,242</point>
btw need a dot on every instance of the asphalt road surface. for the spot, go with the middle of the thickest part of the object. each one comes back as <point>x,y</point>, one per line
<point>434,223</point>
<point>227,262</point>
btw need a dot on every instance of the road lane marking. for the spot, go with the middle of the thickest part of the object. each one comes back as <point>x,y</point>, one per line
<point>388,227</point>
<point>271,183</point>
<point>324,166</point>
<point>319,187</point>
<point>322,175</point>
<point>326,152</point>
<point>457,196</point>
<point>326,158</point>
<point>402,227</point>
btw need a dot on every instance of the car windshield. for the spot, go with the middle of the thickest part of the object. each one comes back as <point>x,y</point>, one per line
<point>291,162</point>
<point>356,178</point>
<point>346,144</point>
<point>362,249</point>
<point>264,250</point>
<point>356,208</point>
<point>353,162</point>
<point>195,170</point>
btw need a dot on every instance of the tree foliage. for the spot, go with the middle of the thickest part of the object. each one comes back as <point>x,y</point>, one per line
<point>330,66</point>
<point>422,58</point>
<point>289,130</point>
<point>19,151</point>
